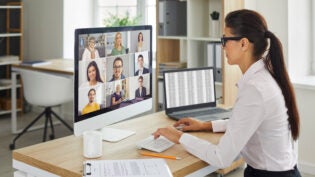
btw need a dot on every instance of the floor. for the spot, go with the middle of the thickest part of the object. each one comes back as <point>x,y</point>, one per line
<point>30,138</point>
<point>35,136</point>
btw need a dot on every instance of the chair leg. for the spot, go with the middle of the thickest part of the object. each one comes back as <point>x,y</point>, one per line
<point>61,120</point>
<point>12,146</point>
<point>52,135</point>
<point>48,111</point>
<point>46,123</point>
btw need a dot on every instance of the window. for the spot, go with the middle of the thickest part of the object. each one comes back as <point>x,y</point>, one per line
<point>145,10</point>
<point>301,49</point>
<point>105,8</point>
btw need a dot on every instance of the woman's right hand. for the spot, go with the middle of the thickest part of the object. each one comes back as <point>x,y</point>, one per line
<point>191,124</point>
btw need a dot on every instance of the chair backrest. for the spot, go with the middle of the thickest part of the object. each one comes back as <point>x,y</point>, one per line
<point>45,89</point>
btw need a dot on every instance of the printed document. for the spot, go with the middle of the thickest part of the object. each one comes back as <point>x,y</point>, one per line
<point>126,168</point>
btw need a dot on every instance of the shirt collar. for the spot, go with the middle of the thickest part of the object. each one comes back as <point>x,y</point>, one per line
<point>255,67</point>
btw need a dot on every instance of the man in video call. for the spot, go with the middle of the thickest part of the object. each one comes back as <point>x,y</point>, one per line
<point>117,69</point>
<point>141,92</point>
<point>92,105</point>
<point>142,69</point>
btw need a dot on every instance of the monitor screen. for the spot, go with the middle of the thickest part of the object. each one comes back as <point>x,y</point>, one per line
<point>113,75</point>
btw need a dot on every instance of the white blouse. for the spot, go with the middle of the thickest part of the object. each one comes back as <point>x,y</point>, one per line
<point>87,54</point>
<point>258,127</point>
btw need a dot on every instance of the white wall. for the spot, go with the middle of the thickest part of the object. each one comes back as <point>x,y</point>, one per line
<point>276,15</point>
<point>49,27</point>
<point>300,41</point>
<point>77,14</point>
<point>43,29</point>
<point>305,100</point>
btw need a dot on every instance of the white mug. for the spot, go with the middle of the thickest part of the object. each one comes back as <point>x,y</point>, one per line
<point>92,144</point>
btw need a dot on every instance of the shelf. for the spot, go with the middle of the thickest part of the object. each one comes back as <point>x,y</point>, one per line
<point>173,37</point>
<point>9,62</point>
<point>8,111</point>
<point>210,39</point>
<point>191,48</point>
<point>10,7</point>
<point>6,84</point>
<point>9,59</point>
<point>7,87</point>
<point>10,34</point>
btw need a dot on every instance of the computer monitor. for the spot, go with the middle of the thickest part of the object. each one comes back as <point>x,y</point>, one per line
<point>113,75</point>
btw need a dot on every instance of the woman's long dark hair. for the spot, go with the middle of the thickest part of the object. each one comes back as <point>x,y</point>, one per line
<point>253,26</point>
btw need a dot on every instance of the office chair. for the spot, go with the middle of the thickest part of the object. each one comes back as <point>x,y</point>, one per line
<point>45,90</point>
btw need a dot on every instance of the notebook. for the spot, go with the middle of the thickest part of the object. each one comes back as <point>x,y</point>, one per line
<point>191,93</point>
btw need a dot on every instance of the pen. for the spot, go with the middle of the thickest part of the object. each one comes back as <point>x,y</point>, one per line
<point>160,155</point>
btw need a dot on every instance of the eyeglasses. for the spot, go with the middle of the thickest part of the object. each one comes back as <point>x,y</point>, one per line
<point>117,67</point>
<point>225,39</point>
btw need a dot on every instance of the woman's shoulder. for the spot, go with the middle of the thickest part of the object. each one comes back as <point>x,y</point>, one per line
<point>114,50</point>
<point>85,84</point>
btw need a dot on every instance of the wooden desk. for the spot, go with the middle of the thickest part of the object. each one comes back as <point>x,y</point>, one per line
<point>61,66</point>
<point>64,156</point>
<point>56,66</point>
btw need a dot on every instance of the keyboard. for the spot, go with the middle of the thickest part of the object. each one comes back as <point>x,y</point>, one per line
<point>157,145</point>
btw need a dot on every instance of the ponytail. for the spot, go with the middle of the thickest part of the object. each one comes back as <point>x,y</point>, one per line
<point>274,62</point>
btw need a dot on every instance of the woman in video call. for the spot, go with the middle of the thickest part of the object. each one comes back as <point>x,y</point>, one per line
<point>265,120</point>
<point>116,96</point>
<point>92,105</point>
<point>118,49</point>
<point>93,75</point>
<point>90,52</point>
<point>140,42</point>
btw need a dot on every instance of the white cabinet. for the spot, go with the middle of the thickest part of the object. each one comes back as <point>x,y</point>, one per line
<point>192,47</point>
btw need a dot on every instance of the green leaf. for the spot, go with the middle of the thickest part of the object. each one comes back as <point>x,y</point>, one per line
<point>115,20</point>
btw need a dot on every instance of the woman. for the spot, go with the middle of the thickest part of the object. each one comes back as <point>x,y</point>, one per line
<point>265,120</point>
<point>93,75</point>
<point>90,52</point>
<point>118,49</point>
<point>140,46</point>
<point>116,97</point>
